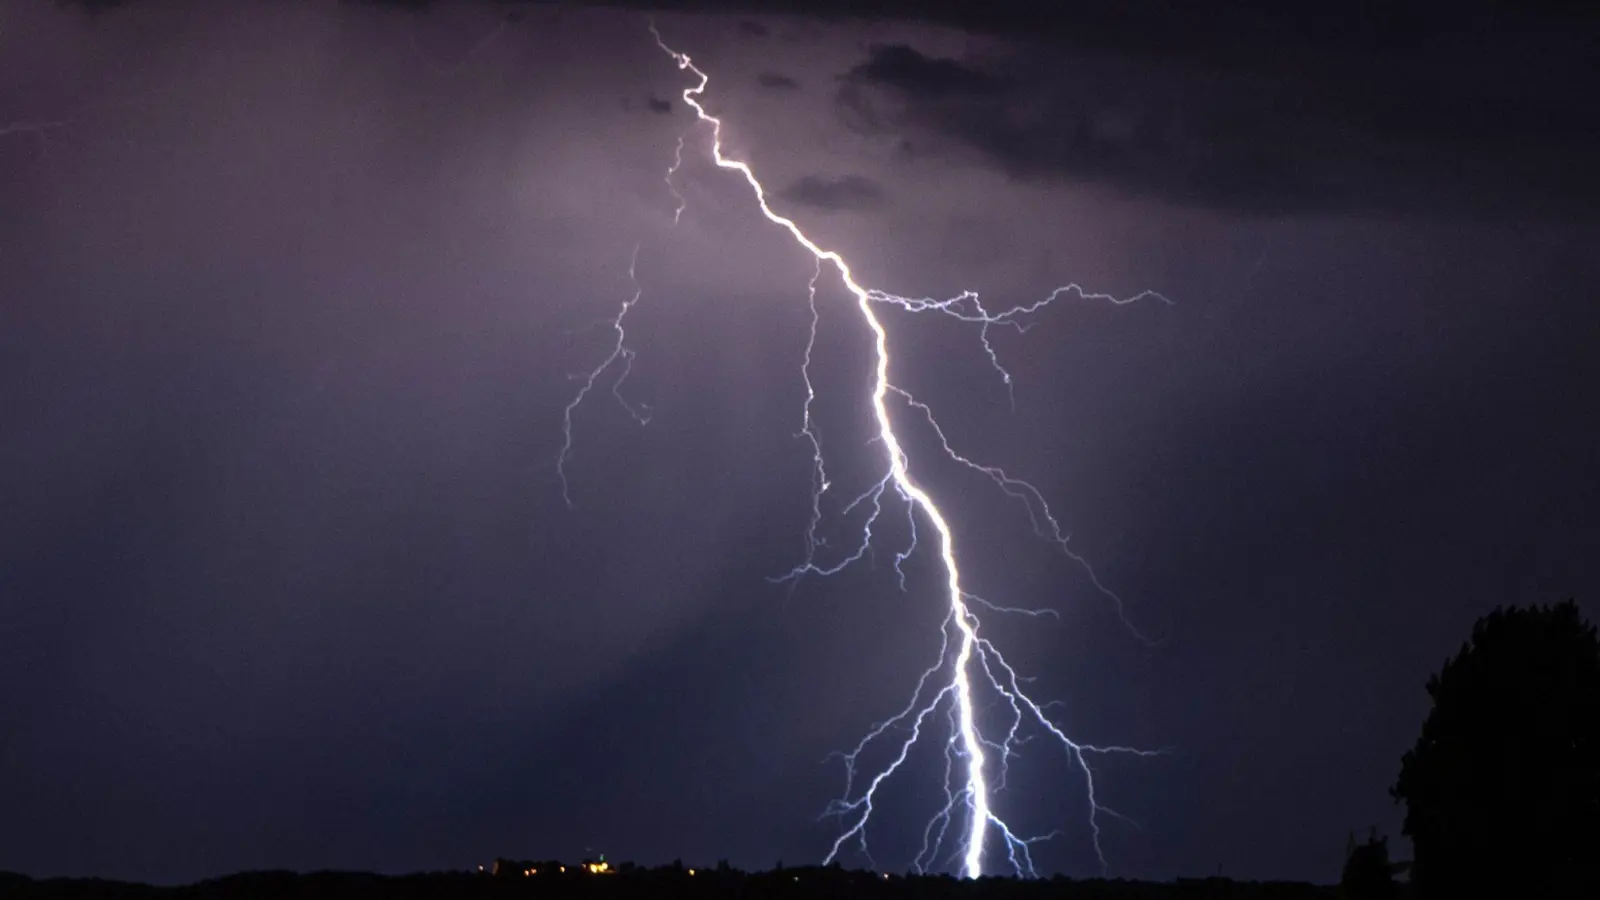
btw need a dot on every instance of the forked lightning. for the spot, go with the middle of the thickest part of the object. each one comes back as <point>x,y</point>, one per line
<point>967,661</point>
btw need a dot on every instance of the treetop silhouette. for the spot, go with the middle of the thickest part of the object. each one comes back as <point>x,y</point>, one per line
<point>1502,789</point>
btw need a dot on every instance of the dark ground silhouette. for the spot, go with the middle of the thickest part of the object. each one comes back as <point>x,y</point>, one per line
<point>1502,792</point>
<point>812,883</point>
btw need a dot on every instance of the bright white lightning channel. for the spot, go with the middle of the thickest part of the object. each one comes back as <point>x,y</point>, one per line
<point>975,657</point>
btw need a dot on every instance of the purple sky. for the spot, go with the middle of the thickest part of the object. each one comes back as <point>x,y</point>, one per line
<point>291,302</point>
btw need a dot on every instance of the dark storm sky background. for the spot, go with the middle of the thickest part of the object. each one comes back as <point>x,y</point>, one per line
<point>293,294</point>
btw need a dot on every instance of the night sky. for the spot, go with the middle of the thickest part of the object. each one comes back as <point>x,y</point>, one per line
<point>291,298</point>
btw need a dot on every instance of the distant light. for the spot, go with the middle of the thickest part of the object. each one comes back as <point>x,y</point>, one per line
<point>563,868</point>
<point>691,871</point>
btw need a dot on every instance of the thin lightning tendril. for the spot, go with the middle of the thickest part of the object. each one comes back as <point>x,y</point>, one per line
<point>677,163</point>
<point>808,428</point>
<point>963,654</point>
<point>620,354</point>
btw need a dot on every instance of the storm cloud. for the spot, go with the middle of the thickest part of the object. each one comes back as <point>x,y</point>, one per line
<point>1420,107</point>
<point>1297,141</point>
<point>777,81</point>
<point>855,193</point>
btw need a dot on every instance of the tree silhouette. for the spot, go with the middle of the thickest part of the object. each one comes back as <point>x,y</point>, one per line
<point>1368,873</point>
<point>1502,789</point>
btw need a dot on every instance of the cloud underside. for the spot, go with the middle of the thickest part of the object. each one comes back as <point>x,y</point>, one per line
<point>1238,141</point>
<point>1471,109</point>
<point>852,193</point>
<point>1440,108</point>
<point>777,81</point>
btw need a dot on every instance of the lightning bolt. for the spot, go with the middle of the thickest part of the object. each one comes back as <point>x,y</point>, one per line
<point>967,660</point>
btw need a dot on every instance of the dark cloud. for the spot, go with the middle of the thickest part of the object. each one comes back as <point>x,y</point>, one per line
<point>777,81</point>
<point>1237,34</point>
<point>902,67</point>
<point>1387,140</point>
<point>1473,107</point>
<point>93,6</point>
<point>657,105</point>
<point>411,5</point>
<point>855,193</point>
<point>1243,32</point>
